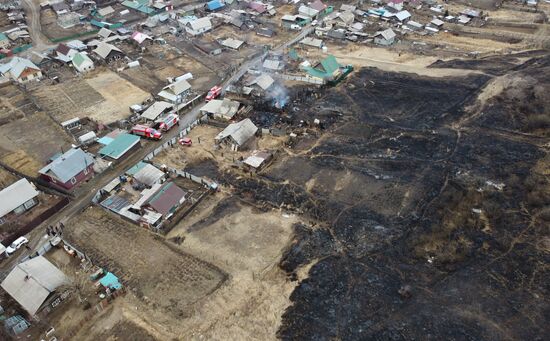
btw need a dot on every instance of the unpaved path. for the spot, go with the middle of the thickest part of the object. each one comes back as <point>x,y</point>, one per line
<point>39,41</point>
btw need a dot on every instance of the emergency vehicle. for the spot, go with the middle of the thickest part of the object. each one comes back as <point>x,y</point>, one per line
<point>166,123</point>
<point>213,93</point>
<point>147,132</point>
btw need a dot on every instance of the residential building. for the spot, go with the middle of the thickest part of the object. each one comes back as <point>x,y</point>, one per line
<point>64,53</point>
<point>257,7</point>
<point>82,63</point>
<point>141,38</point>
<point>224,109</point>
<point>69,169</point>
<point>35,284</point>
<point>166,200</point>
<point>21,70</point>
<point>155,110</point>
<point>237,135</point>
<point>215,5</point>
<point>198,26</point>
<point>17,198</point>
<point>308,11</point>
<point>386,37</point>
<point>175,92</point>
<point>119,146</point>
<point>108,52</point>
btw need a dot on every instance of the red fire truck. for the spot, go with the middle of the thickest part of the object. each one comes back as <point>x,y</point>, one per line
<point>213,93</point>
<point>166,123</point>
<point>147,132</point>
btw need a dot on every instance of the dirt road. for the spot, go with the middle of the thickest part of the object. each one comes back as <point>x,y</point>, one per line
<point>39,41</point>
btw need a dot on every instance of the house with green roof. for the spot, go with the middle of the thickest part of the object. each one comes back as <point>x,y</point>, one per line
<point>121,145</point>
<point>82,63</point>
<point>329,70</point>
<point>140,6</point>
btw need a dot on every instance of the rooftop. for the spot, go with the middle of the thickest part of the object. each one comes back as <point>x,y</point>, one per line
<point>119,146</point>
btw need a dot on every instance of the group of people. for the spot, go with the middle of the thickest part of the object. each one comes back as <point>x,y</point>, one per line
<point>56,230</point>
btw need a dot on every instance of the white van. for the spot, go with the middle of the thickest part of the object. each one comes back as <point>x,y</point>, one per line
<point>16,245</point>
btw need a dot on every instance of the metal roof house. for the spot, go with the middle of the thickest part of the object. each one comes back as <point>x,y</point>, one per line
<point>237,135</point>
<point>198,26</point>
<point>175,92</point>
<point>17,198</point>
<point>120,145</point>
<point>166,199</point>
<point>69,169</point>
<point>34,284</point>
<point>327,69</point>
<point>386,37</point>
<point>215,5</point>
<point>82,63</point>
<point>155,110</point>
<point>224,109</point>
<point>21,70</point>
<point>108,52</point>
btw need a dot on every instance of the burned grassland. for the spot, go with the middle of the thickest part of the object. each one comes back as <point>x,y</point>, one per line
<point>428,202</point>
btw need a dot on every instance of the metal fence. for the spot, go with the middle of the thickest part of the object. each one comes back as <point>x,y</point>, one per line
<point>301,79</point>
<point>36,221</point>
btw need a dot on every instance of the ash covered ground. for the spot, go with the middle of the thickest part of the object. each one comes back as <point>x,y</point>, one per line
<point>429,205</point>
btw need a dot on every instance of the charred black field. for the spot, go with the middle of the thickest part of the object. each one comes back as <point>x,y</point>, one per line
<point>429,205</point>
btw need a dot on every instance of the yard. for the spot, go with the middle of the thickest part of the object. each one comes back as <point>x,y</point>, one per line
<point>247,244</point>
<point>166,281</point>
<point>102,96</point>
<point>27,153</point>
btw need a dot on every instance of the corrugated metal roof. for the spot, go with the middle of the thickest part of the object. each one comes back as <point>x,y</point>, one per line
<point>264,81</point>
<point>240,132</point>
<point>232,43</point>
<point>149,175</point>
<point>168,197</point>
<point>68,165</point>
<point>103,49</point>
<point>132,171</point>
<point>154,111</point>
<point>119,146</point>
<point>200,24</point>
<point>115,203</point>
<point>16,195</point>
<point>225,108</point>
<point>31,282</point>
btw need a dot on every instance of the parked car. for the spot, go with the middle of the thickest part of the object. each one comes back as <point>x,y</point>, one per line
<point>185,141</point>
<point>16,245</point>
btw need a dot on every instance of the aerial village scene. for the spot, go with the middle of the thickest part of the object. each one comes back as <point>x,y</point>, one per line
<point>274,169</point>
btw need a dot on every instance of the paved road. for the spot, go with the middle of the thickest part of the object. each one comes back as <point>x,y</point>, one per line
<point>88,190</point>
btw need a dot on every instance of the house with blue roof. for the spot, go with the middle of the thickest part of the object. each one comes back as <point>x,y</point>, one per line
<point>215,5</point>
<point>69,169</point>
